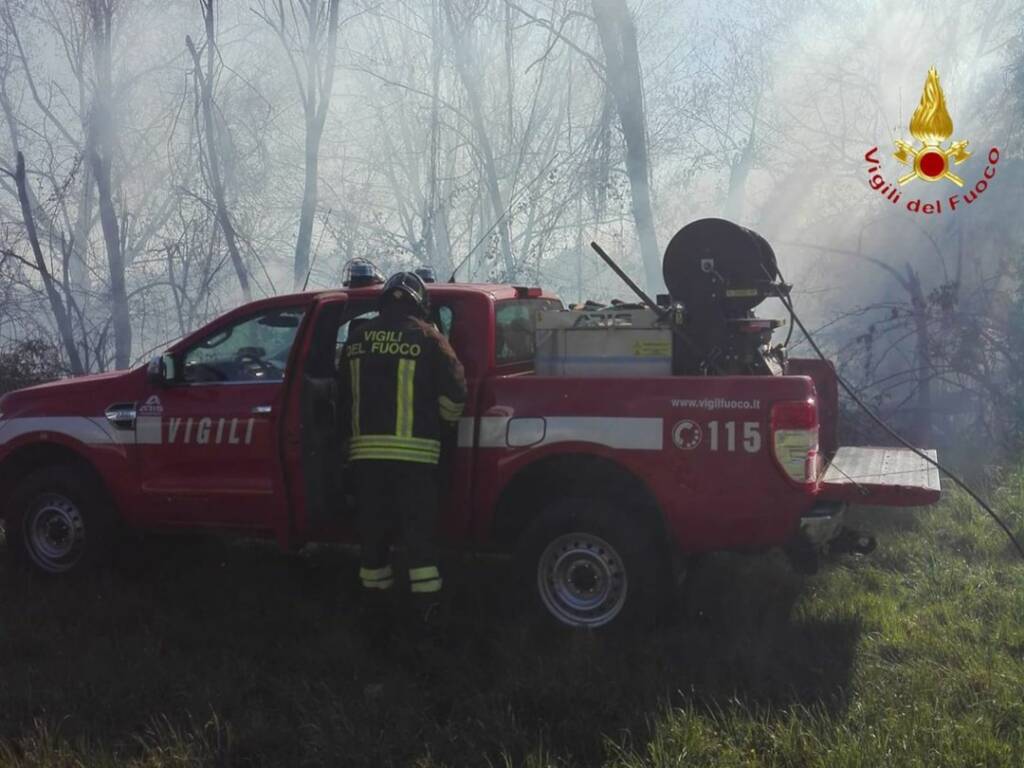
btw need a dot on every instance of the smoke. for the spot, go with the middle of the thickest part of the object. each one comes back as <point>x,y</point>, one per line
<point>760,111</point>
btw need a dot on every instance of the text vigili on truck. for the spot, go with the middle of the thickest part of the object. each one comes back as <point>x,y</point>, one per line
<point>603,446</point>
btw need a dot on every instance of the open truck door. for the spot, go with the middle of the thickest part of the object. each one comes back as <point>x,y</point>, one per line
<point>314,435</point>
<point>316,430</point>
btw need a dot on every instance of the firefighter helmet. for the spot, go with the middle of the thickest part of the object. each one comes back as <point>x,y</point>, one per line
<point>405,286</point>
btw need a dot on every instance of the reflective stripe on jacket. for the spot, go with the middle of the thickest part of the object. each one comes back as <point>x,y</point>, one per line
<point>401,380</point>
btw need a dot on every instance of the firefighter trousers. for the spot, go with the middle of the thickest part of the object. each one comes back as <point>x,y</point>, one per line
<point>398,497</point>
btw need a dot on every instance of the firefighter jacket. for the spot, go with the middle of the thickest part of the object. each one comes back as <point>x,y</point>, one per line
<point>401,381</point>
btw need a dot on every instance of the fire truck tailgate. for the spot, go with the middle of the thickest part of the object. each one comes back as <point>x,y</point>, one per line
<point>892,477</point>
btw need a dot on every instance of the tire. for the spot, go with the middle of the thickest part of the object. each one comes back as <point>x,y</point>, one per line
<point>60,522</point>
<point>591,566</point>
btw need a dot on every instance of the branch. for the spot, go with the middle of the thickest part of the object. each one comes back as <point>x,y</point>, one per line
<point>595,63</point>
<point>56,302</point>
<point>9,21</point>
<point>846,252</point>
<point>279,28</point>
<point>327,83</point>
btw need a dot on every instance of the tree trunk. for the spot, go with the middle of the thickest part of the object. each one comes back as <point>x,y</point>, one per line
<point>468,76</point>
<point>205,82</point>
<point>57,306</point>
<point>78,267</point>
<point>739,172</point>
<point>433,216</point>
<point>309,201</point>
<point>622,66</point>
<point>318,99</point>
<point>101,124</point>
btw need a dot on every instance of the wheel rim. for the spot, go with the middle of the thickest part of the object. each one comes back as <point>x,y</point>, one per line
<point>582,580</point>
<point>54,533</point>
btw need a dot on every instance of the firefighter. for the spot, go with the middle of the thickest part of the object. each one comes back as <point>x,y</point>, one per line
<point>403,384</point>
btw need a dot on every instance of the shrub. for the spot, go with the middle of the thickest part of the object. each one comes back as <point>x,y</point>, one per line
<point>28,362</point>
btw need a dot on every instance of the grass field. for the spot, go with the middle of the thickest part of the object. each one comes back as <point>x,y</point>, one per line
<point>235,654</point>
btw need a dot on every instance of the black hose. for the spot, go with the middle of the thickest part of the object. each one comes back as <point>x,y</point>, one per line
<point>898,437</point>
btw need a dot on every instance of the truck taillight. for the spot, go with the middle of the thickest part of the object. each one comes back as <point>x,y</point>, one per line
<point>795,439</point>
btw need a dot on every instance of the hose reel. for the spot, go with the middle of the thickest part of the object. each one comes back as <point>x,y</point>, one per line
<point>717,272</point>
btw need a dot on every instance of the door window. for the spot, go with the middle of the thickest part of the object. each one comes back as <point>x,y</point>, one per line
<point>444,320</point>
<point>515,322</point>
<point>252,350</point>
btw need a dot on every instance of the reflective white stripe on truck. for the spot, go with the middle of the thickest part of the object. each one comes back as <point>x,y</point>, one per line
<point>80,428</point>
<point>626,434</point>
<point>148,430</point>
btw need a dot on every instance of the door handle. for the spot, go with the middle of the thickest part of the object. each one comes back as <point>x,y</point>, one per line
<point>262,409</point>
<point>121,415</point>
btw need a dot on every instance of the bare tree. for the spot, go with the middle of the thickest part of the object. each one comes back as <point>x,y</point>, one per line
<point>622,70</point>
<point>308,33</point>
<point>53,293</point>
<point>469,75</point>
<point>101,156</point>
<point>205,79</point>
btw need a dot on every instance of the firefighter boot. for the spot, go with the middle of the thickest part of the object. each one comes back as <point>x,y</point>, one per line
<point>425,590</point>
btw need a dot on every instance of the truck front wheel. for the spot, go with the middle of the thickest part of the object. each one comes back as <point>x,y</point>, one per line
<point>59,521</point>
<point>591,567</point>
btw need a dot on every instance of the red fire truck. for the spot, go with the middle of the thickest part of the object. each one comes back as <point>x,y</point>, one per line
<point>601,485</point>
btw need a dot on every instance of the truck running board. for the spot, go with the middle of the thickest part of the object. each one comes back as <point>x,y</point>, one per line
<point>885,477</point>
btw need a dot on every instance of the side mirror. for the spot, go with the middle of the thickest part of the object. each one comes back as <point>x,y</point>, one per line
<point>161,370</point>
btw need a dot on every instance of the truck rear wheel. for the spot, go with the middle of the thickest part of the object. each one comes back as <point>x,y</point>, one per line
<point>59,521</point>
<point>590,567</point>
